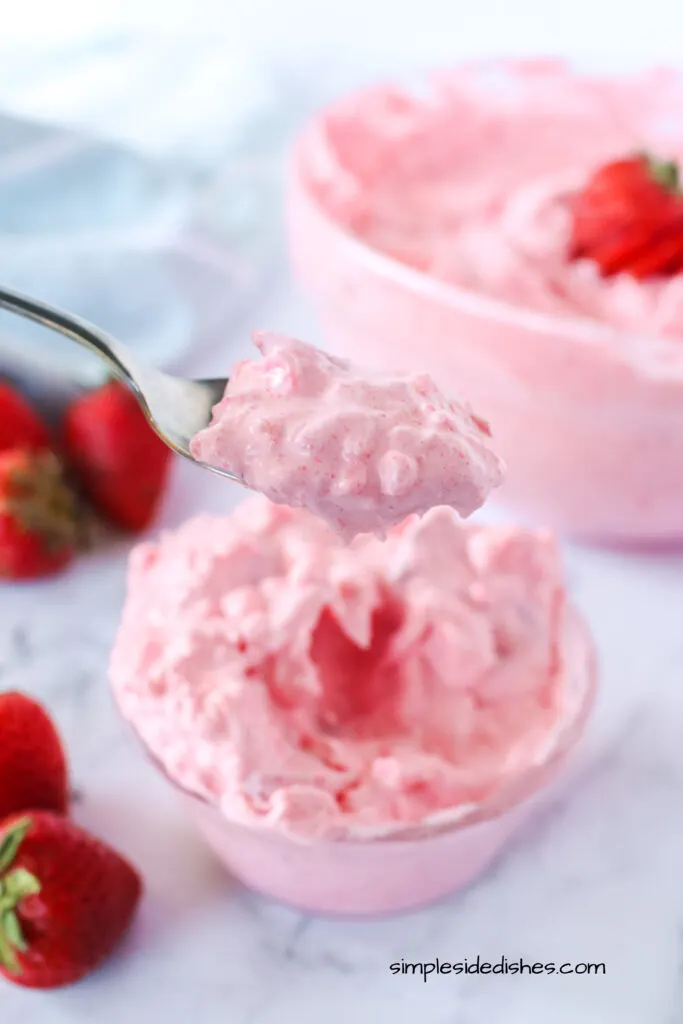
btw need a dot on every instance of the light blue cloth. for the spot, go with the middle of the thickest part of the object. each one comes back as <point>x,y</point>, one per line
<point>159,226</point>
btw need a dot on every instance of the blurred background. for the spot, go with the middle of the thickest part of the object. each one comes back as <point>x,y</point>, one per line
<point>425,29</point>
<point>143,141</point>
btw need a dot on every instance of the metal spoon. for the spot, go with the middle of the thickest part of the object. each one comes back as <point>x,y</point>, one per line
<point>176,408</point>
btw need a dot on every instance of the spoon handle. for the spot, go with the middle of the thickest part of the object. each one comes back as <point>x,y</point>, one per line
<point>86,334</point>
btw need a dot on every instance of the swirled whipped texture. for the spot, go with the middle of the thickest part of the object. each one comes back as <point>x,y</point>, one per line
<point>317,687</point>
<point>360,449</point>
<point>469,179</point>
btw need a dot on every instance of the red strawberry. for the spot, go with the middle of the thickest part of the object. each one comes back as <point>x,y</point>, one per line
<point>20,425</point>
<point>121,462</point>
<point>33,772</point>
<point>628,218</point>
<point>38,515</point>
<point>67,900</point>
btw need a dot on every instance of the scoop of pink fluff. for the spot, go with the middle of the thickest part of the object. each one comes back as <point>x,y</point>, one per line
<point>360,449</point>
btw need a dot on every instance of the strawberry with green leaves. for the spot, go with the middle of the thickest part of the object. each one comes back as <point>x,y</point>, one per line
<point>628,219</point>
<point>39,516</point>
<point>67,900</point>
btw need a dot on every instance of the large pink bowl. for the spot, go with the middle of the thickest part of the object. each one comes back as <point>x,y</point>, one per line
<point>407,867</point>
<point>589,421</point>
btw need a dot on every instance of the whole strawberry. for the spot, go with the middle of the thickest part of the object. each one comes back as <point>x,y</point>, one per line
<point>20,425</point>
<point>628,218</point>
<point>121,463</point>
<point>38,515</point>
<point>33,770</point>
<point>67,900</point>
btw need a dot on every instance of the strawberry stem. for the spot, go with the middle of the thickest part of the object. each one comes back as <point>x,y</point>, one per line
<point>665,173</point>
<point>11,841</point>
<point>15,886</point>
<point>41,501</point>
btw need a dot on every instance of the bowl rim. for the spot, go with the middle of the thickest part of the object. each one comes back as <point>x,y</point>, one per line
<point>649,355</point>
<point>521,789</point>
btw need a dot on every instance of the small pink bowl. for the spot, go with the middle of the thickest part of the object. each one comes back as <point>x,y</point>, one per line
<point>407,867</point>
<point>588,418</point>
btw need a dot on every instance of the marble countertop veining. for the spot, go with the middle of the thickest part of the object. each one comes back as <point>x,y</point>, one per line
<point>597,877</point>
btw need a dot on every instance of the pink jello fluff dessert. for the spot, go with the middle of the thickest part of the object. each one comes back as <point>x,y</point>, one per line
<point>358,728</point>
<point>360,449</point>
<point>432,226</point>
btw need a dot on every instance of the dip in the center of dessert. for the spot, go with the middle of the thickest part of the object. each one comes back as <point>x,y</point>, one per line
<point>322,688</point>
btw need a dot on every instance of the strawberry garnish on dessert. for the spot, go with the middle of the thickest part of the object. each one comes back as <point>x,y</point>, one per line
<point>628,218</point>
<point>66,900</point>
<point>38,515</point>
<point>33,770</point>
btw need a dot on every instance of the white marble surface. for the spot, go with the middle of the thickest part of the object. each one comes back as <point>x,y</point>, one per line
<point>598,878</point>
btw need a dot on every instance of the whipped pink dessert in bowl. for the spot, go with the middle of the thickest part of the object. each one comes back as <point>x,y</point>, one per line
<point>437,228</point>
<point>357,728</point>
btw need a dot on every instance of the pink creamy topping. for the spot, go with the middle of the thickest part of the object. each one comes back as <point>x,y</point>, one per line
<point>361,450</point>
<point>318,687</point>
<point>469,180</point>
